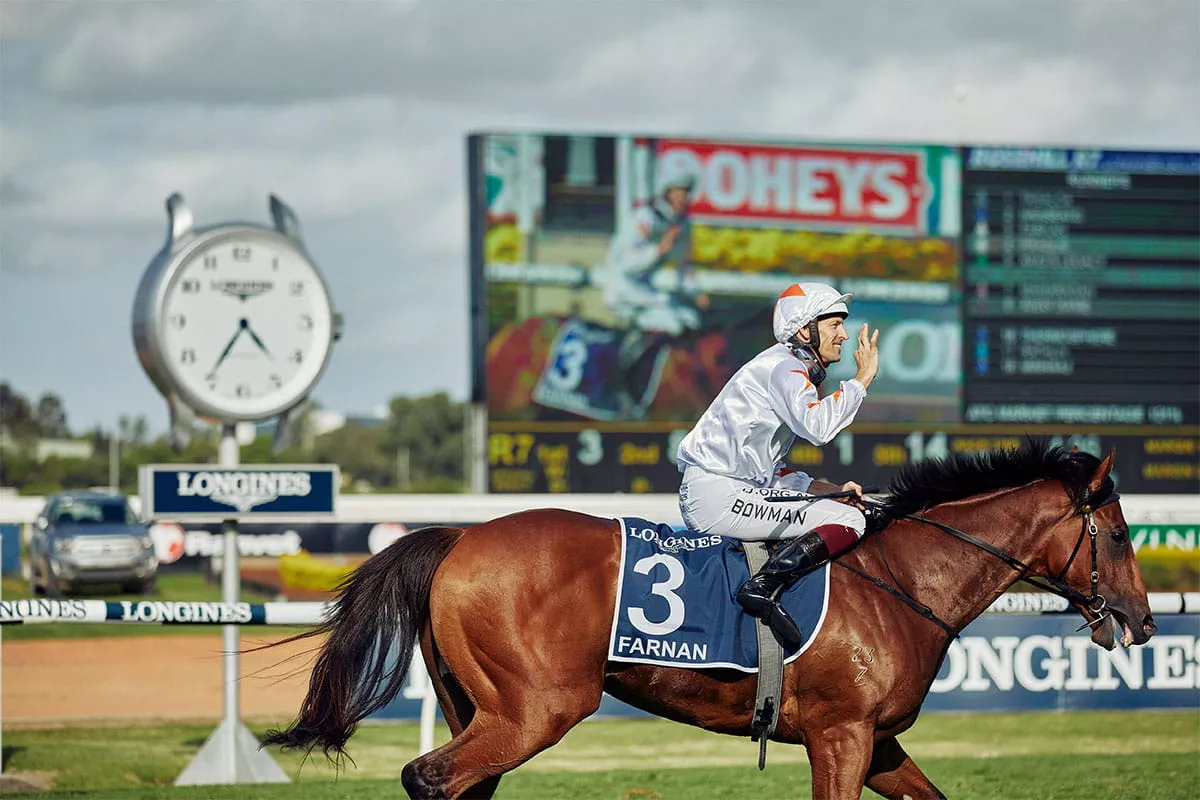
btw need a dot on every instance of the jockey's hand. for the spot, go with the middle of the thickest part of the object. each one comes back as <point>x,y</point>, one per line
<point>867,356</point>
<point>668,240</point>
<point>851,486</point>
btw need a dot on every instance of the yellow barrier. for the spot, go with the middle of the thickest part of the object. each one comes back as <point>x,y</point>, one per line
<point>303,571</point>
<point>1167,555</point>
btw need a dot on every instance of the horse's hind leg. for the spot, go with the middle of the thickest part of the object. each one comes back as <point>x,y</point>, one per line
<point>522,628</point>
<point>456,708</point>
<point>495,742</point>
<point>894,775</point>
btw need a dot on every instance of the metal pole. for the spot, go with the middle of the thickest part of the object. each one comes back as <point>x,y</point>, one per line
<point>229,455</point>
<point>114,463</point>
<point>477,474</point>
<point>403,469</point>
<point>231,754</point>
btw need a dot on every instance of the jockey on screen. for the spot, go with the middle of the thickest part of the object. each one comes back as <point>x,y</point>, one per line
<point>660,233</point>
<point>734,457</point>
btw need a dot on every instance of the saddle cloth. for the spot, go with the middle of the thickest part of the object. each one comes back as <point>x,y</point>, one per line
<point>675,601</point>
<point>578,376</point>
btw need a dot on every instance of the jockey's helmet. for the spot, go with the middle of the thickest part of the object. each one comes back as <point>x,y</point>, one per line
<point>675,175</point>
<point>803,303</point>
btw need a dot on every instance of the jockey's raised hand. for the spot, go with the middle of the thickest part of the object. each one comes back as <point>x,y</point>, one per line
<point>866,355</point>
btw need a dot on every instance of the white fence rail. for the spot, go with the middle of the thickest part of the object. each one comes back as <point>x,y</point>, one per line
<point>155,612</point>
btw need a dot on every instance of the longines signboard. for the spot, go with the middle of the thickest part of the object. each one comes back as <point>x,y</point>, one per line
<point>267,493</point>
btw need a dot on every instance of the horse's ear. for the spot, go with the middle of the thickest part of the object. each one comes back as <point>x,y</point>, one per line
<point>1102,473</point>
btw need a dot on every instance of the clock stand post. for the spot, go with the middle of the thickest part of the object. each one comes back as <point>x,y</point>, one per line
<point>231,753</point>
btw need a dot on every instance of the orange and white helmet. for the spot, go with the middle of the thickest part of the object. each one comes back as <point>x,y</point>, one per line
<point>802,303</point>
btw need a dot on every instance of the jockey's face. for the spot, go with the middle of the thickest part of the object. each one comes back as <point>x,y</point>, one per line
<point>832,331</point>
<point>677,199</point>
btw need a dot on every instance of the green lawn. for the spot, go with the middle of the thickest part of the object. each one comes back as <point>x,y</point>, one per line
<point>1033,756</point>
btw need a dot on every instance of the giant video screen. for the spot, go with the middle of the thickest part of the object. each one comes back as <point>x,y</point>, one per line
<point>609,309</point>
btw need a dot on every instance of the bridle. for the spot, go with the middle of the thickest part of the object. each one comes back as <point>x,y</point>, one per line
<point>1094,602</point>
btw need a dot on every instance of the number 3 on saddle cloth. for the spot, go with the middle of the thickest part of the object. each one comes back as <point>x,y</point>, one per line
<point>675,601</point>
<point>584,374</point>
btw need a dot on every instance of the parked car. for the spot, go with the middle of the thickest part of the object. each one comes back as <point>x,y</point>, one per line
<point>87,538</point>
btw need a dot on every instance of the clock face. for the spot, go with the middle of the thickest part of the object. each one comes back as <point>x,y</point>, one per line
<point>245,325</point>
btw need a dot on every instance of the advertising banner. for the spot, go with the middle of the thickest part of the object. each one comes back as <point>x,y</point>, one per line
<point>185,546</point>
<point>1008,663</point>
<point>277,492</point>
<point>1018,662</point>
<point>797,186</point>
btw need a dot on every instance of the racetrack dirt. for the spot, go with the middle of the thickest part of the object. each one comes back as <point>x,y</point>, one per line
<point>146,678</point>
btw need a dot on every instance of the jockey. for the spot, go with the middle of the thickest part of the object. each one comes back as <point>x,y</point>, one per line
<point>661,232</point>
<point>733,458</point>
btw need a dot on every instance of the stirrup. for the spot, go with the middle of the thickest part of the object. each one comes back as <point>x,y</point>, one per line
<point>773,614</point>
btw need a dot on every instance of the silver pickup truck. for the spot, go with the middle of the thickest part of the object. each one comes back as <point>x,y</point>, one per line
<point>86,538</point>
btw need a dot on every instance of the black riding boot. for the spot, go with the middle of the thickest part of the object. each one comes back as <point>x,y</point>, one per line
<point>789,563</point>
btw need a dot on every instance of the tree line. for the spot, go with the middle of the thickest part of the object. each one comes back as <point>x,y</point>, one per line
<point>418,447</point>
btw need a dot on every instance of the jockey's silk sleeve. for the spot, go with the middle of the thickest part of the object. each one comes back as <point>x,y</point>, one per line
<point>639,250</point>
<point>811,417</point>
<point>751,425</point>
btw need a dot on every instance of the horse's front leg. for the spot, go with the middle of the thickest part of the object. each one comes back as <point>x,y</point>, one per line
<point>840,756</point>
<point>893,774</point>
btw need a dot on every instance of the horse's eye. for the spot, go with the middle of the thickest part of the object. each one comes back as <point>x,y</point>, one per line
<point>1119,535</point>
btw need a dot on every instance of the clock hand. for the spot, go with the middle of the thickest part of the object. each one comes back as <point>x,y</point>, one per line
<point>228,347</point>
<point>257,341</point>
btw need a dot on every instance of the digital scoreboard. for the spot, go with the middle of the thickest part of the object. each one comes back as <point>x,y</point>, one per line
<point>570,457</point>
<point>1081,287</point>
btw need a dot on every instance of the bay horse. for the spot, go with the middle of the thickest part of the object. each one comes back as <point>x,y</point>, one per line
<point>513,617</point>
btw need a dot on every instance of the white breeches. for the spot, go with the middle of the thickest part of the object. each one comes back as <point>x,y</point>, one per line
<point>649,310</point>
<point>731,507</point>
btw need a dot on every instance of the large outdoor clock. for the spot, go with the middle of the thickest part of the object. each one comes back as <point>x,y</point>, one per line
<point>234,322</point>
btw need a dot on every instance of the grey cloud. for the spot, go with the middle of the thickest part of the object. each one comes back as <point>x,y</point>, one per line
<point>250,52</point>
<point>496,53</point>
<point>14,192</point>
<point>25,19</point>
<point>720,66</point>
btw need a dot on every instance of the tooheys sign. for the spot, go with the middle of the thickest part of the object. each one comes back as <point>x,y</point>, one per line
<point>806,186</point>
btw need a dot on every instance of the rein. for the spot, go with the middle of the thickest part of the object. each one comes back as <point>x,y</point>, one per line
<point>1095,602</point>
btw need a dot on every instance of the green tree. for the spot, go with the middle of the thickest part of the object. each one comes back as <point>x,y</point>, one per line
<point>430,430</point>
<point>139,430</point>
<point>356,449</point>
<point>16,415</point>
<point>51,417</point>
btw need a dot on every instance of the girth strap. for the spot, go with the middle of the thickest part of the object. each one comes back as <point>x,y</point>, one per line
<point>770,667</point>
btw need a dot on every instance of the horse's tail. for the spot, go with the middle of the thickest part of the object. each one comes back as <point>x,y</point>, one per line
<point>372,628</point>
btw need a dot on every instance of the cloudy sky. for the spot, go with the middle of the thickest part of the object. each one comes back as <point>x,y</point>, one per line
<point>354,113</point>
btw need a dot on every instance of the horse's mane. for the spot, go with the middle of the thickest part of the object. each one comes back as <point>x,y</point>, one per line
<point>931,482</point>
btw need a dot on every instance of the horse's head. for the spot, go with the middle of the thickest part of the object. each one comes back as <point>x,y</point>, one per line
<point>1091,552</point>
